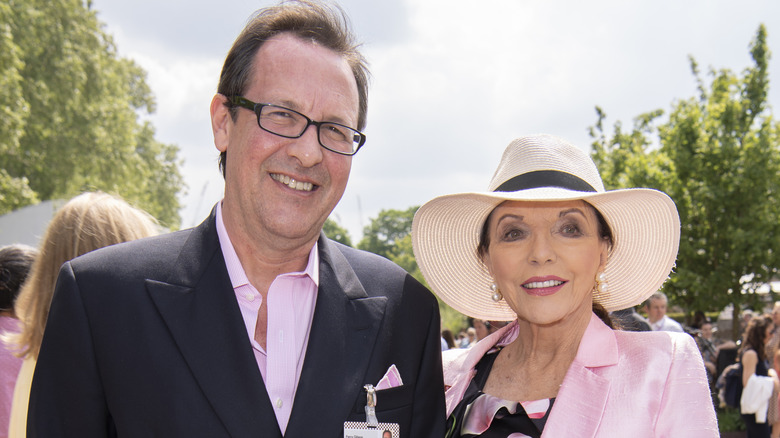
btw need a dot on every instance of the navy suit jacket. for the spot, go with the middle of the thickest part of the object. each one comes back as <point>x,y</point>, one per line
<point>145,339</point>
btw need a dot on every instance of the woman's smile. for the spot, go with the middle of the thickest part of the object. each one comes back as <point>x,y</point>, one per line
<point>543,286</point>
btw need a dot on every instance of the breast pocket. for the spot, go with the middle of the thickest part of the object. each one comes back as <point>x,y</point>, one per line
<point>393,398</point>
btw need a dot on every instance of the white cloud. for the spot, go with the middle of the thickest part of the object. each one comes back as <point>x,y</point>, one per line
<point>453,80</point>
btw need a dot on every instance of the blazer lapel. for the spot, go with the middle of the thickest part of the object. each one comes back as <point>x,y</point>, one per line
<point>582,399</point>
<point>343,333</point>
<point>200,310</point>
<point>579,405</point>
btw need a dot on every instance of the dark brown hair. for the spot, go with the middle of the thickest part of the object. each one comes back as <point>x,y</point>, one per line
<point>755,335</point>
<point>15,263</point>
<point>324,24</point>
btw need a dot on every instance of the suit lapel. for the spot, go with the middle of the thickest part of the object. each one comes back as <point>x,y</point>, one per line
<point>200,310</point>
<point>343,333</point>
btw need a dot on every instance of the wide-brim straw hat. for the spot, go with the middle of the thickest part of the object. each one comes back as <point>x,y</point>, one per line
<point>644,223</point>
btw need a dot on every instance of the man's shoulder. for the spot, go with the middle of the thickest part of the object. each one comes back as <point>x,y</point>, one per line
<point>155,251</point>
<point>672,325</point>
<point>378,275</point>
<point>657,344</point>
<point>361,260</point>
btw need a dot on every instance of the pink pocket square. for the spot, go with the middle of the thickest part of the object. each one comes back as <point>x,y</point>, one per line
<point>391,379</point>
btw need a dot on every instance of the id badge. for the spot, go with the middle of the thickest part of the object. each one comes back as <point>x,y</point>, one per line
<point>353,429</point>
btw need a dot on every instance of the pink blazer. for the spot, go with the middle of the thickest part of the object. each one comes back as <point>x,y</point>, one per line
<point>632,384</point>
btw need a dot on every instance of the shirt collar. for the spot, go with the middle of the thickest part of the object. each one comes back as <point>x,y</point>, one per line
<point>235,269</point>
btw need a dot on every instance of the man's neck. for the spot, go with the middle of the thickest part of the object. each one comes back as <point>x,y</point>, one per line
<point>263,259</point>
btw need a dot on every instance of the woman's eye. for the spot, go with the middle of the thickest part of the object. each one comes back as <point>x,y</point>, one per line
<point>571,229</point>
<point>513,234</point>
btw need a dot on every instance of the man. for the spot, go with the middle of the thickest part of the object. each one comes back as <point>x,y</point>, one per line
<point>253,323</point>
<point>656,314</point>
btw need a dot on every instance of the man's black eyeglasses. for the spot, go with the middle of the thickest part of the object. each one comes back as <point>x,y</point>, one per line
<point>289,123</point>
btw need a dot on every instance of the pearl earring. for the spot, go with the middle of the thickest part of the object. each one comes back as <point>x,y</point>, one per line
<point>601,283</point>
<point>496,293</point>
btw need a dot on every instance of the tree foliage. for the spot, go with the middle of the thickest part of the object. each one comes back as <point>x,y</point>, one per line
<point>333,230</point>
<point>390,235</point>
<point>386,230</point>
<point>73,123</point>
<point>718,157</point>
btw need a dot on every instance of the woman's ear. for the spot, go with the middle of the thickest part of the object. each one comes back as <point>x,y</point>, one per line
<point>603,255</point>
<point>485,257</point>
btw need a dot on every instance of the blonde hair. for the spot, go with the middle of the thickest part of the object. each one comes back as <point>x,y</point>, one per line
<point>85,223</point>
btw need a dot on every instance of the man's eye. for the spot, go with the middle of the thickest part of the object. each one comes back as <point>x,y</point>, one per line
<point>280,114</point>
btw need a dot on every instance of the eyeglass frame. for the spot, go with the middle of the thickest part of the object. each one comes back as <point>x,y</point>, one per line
<point>257,108</point>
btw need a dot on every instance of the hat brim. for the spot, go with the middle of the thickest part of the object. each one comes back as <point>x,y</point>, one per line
<point>445,234</point>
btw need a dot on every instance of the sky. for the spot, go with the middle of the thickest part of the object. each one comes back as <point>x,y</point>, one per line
<point>453,81</point>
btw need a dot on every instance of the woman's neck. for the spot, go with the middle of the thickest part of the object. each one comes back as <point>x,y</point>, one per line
<point>540,344</point>
<point>533,366</point>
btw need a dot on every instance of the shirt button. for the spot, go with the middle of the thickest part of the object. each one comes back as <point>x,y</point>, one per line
<point>250,297</point>
<point>279,403</point>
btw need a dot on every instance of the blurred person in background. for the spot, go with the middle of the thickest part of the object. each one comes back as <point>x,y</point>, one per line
<point>449,339</point>
<point>656,307</point>
<point>759,379</point>
<point>85,223</point>
<point>15,263</point>
<point>484,327</point>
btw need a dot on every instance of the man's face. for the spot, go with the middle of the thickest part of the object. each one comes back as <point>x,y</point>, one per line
<point>656,310</point>
<point>387,434</point>
<point>262,202</point>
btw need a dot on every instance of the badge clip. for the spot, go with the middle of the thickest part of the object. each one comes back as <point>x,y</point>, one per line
<point>371,419</point>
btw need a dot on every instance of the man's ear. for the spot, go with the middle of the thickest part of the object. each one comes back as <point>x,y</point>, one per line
<point>221,122</point>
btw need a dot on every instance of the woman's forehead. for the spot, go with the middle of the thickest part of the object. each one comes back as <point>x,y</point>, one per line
<point>545,206</point>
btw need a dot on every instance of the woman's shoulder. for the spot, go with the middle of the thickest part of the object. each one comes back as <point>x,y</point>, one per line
<point>658,342</point>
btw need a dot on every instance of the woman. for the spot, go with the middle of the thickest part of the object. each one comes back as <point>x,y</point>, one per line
<point>759,380</point>
<point>85,223</point>
<point>549,248</point>
<point>15,263</point>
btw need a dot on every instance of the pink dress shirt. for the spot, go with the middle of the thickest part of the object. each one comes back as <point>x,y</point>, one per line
<point>633,384</point>
<point>291,300</point>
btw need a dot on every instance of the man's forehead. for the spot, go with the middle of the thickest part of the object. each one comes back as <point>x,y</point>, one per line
<point>295,73</point>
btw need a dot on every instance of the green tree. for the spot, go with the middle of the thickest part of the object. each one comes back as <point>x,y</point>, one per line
<point>74,122</point>
<point>390,235</point>
<point>14,193</point>
<point>386,230</point>
<point>718,157</point>
<point>333,230</point>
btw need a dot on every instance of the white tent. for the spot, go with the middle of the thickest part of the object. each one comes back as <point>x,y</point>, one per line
<point>27,225</point>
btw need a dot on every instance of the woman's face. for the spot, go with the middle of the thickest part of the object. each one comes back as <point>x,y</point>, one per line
<point>544,257</point>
